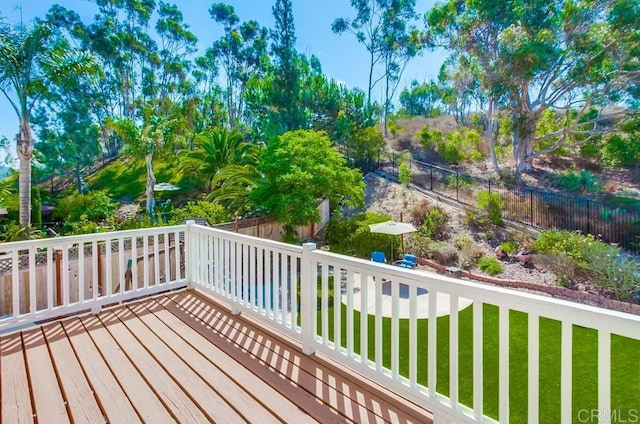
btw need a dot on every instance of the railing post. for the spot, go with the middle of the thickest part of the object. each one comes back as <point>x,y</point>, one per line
<point>308,287</point>
<point>188,261</point>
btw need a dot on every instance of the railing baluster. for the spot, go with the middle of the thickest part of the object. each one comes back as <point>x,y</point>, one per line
<point>337,308</point>
<point>95,278</point>
<point>566,360</point>
<point>349,293</point>
<point>378,325</point>
<point>364,318</point>
<point>604,371</point>
<point>503,372</point>
<point>32,280</point>
<point>50,278</point>
<point>108,270</point>
<point>453,350</point>
<point>395,329</point>
<point>65,275</point>
<point>15,283</point>
<point>534,366</point>
<point>478,375</point>
<point>413,336</point>
<point>122,266</point>
<point>432,341</point>
<point>81,279</point>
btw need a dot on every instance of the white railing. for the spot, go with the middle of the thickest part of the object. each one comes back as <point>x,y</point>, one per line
<point>430,338</point>
<point>405,309</point>
<point>48,278</point>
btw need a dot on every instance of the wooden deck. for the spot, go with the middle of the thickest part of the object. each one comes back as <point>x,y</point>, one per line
<point>179,357</point>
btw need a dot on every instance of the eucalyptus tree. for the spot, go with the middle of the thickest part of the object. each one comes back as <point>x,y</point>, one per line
<point>420,99</point>
<point>32,61</point>
<point>241,52</point>
<point>285,95</point>
<point>572,56</point>
<point>385,28</point>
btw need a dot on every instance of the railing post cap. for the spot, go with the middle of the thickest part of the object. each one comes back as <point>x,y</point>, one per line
<point>190,222</point>
<point>309,246</point>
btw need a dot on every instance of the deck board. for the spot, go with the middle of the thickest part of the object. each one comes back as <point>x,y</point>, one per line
<point>113,399</point>
<point>16,400</point>
<point>47,397</point>
<point>83,406</point>
<point>176,400</point>
<point>142,398</point>
<point>239,396</point>
<point>180,357</point>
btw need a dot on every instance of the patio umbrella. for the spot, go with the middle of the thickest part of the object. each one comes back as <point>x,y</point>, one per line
<point>165,187</point>
<point>393,228</point>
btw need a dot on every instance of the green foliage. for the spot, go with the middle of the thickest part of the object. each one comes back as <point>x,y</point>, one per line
<point>365,144</point>
<point>353,236</point>
<point>404,175</point>
<point>491,266</point>
<point>298,169</point>
<point>213,212</point>
<point>429,140</point>
<point>621,151</point>
<point>583,182</point>
<point>591,261</point>
<point>491,204</point>
<point>435,224</point>
<point>94,206</point>
<point>509,247</point>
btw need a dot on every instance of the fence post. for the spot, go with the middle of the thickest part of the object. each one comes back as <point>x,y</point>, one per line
<point>188,252</point>
<point>457,188</point>
<point>431,177</point>
<point>531,207</point>
<point>588,216</point>
<point>489,187</point>
<point>308,289</point>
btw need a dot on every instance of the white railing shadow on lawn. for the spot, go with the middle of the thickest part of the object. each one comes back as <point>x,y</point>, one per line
<point>468,352</point>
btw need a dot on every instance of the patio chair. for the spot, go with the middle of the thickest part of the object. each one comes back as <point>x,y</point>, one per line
<point>378,257</point>
<point>408,261</point>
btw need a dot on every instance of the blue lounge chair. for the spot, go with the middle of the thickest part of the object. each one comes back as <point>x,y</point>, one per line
<point>408,261</point>
<point>378,257</point>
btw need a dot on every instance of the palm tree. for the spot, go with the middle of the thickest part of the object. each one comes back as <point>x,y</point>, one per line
<point>31,62</point>
<point>214,150</point>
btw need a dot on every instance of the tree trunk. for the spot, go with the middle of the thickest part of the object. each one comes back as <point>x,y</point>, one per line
<point>524,134</point>
<point>151,182</point>
<point>492,126</point>
<point>24,148</point>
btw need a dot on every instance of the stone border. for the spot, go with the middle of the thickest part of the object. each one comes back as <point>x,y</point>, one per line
<point>555,291</point>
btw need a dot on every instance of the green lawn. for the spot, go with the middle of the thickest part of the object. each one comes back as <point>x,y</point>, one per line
<point>625,360</point>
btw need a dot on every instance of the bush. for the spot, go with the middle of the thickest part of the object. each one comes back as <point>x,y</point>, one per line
<point>491,204</point>
<point>213,212</point>
<point>590,261</point>
<point>95,206</point>
<point>404,175</point>
<point>491,266</point>
<point>442,252</point>
<point>435,224</point>
<point>583,182</point>
<point>469,253</point>
<point>419,212</point>
<point>353,236</point>
<point>508,247</point>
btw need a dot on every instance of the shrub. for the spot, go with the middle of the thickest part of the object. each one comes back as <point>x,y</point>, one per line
<point>508,247</point>
<point>491,204</point>
<point>442,252</point>
<point>491,266</point>
<point>583,182</point>
<point>213,212</point>
<point>590,261</point>
<point>94,206</point>
<point>419,212</point>
<point>435,224</point>
<point>354,236</point>
<point>469,253</point>
<point>404,175</point>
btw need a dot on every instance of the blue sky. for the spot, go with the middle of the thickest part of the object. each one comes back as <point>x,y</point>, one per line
<point>342,57</point>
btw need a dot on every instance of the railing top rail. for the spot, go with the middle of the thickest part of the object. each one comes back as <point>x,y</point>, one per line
<point>254,240</point>
<point>621,323</point>
<point>54,241</point>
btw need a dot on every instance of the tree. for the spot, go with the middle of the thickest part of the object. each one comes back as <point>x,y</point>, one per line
<point>286,83</point>
<point>152,135</point>
<point>242,52</point>
<point>385,28</point>
<point>31,62</point>
<point>420,99</point>
<point>298,169</point>
<point>570,56</point>
<point>214,150</point>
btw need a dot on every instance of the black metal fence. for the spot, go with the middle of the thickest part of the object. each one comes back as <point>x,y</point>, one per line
<point>543,209</point>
